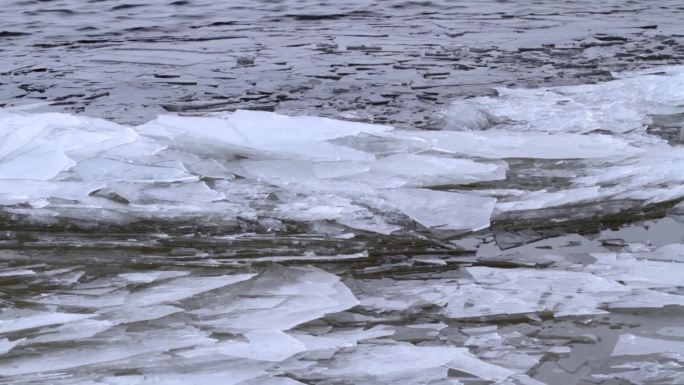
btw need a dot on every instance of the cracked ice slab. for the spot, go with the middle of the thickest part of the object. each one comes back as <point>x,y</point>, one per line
<point>154,170</point>
<point>317,170</point>
<point>619,106</point>
<point>632,345</point>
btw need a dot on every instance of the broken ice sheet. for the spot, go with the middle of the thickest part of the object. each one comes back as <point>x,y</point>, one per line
<point>443,210</point>
<point>261,345</point>
<point>502,144</point>
<point>245,132</point>
<point>16,320</point>
<point>131,345</point>
<point>72,331</point>
<point>519,291</point>
<point>619,106</point>
<point>632,345</point>
<point>403,362</point>
<point>413,170</point>
<point>399,295</point>
<point>637,273</point>
<point>180,289</point>
<point>157,167</point>
<point>279,298</point>
<point>39,146</point>
<point>6,345</point>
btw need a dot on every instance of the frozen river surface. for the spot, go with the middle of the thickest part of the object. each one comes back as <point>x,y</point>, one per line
<point>287,193</point>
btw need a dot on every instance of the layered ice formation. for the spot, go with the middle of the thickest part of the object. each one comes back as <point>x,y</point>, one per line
<point>244,164</point>
<point>303,325</point>
<point>241,328</point>
<point>521,150</point>
<point>118,314</point>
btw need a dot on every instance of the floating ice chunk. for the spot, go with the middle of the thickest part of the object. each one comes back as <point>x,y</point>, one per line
<point>443,210</point>
<point>16,273</point>
<point>468,115</point>
<point>72,331</point>
<point>342,339</point>
<point>12,321</point>
<point>101,169</point>
<point>39,146</point>
<point>267,126</point>
<point>506,144</point>
<point>7,345</point>
<point>116,298</point>
<point>475,301</point>
<point>149,342</point>
<point>143,193</point>
<point>637,273</point>
<point>673,253</point>
<point>25,191</point>
<point>261,345</point>
<point>360,335</point>
<point>542,199</point>
<point>314,175</point>
<point>35,164</point>
<point>209,168</point>
<point>390,360</point>
<point>234,374</point>
<point>468,363</point>
<point>281,298</point>
<point>315,343</point>
<point>320,207</point>
<point>151,276</point>
<point>646,299</point>
<point>180,289</point>
<point>388,295</point>
<point>619,106</point>
<point>201,130</point>
<point>520,291</point>
<point>645,372</point>
<point>273,381</point>
<point>37,192</point>
<point>631,345</point>
<point>129,314</point>
<point>410,170</point>
<point>247,131</point>
<point>553,280</point>
<point>294,311</point>
<point>295,281</point>
<point>402,361</point>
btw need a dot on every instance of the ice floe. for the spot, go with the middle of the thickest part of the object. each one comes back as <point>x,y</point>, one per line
<point>274,326</point>
<point>279,324</point>
<point>360,176</point>
<point>631,345</point>
<point>619,106</point>
<point>180,166</point>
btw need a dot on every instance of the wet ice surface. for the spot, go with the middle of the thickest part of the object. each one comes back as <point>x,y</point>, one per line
<point>180,250</point>
<point>535,237</point>
<point>596,316</point>
<point>537,149</point>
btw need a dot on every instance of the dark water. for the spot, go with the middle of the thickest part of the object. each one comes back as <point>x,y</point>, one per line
<point>392,61</point>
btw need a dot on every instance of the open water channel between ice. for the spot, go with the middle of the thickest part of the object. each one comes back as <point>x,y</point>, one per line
<point>251,247</point>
